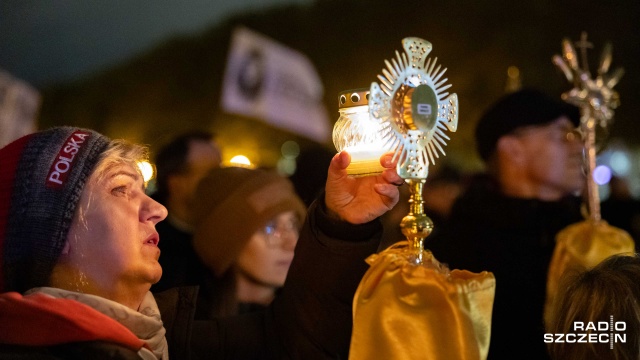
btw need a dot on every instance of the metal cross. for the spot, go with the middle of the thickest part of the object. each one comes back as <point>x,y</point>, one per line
<point>583,45</point>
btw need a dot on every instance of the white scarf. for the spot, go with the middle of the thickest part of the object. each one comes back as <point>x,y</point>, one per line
<point>145,323</point>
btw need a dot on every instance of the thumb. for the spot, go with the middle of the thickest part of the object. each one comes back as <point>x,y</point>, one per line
<point>338,165</point>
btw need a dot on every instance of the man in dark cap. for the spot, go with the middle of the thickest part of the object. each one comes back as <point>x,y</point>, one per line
<point>507,219</point>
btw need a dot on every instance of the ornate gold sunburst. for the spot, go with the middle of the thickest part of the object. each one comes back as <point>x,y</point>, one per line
<point>596,100</point>
<point>414,108</point>
<point>595,97</point>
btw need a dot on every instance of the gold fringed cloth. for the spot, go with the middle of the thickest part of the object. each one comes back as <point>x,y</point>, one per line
<point>407,311</point>
<point>582,246</point>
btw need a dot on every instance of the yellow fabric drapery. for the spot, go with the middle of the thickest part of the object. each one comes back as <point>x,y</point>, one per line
<point>580,247</point>
<point>408,311</point>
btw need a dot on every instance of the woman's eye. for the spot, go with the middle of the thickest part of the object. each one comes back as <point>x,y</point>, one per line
<point>120,190</point>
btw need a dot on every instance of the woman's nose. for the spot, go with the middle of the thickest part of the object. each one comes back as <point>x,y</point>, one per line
<point>154,211</point>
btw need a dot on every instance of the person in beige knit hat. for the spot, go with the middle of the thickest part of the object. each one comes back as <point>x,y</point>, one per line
<point>246,226</point>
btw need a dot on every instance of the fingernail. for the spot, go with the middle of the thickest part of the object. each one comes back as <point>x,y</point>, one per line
<point>387,160</point>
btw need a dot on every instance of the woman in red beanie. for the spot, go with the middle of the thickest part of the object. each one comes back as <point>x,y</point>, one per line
<point>78,253</point>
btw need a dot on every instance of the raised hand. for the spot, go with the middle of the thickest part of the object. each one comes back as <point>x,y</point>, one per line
<point>361,199</point>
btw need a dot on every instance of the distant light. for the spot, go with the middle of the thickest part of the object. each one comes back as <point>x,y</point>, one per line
<point>513,72</point>
<point>286,167</point>
<point>620,163</point>
<point>240,160</point>
<point>146,169</point>
<point>602,175</point>
<point>290,149</point>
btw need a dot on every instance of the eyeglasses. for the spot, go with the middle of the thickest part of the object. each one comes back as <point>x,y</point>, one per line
<point>563,133</point>
<point>276,234</point>
<point>572,134</point>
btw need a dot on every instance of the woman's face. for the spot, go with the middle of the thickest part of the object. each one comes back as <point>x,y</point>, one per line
<point>112,242</point>
<point>268,255</point>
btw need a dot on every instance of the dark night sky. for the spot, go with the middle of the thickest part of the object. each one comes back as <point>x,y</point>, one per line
<point>44,42</point>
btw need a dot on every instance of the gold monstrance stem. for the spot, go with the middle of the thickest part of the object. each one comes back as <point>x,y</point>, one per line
<point>593,196</point>
<point>416,225</point>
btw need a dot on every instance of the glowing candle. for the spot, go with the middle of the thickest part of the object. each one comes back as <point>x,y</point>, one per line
<point>358,134</point>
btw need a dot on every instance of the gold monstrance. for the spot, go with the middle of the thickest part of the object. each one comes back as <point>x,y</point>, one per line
<point>408,305</point>
<point>413,106</point>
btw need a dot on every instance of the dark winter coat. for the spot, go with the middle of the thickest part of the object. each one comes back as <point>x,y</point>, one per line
<point>514,238</point>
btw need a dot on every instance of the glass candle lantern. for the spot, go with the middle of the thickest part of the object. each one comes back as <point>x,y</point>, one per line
<point>358,134</point>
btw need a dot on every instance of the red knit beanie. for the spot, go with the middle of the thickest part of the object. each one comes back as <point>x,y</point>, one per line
<point>42,176</point>
<point>230,205</point>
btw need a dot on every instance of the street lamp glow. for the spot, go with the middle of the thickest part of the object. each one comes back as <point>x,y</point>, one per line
<point>146,169</point>
<point>620,163</point>
<point>240,160</point>
<point>602,175</point>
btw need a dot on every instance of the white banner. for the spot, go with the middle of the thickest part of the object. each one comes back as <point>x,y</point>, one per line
<point>19,104</point>
<point>269,81</point>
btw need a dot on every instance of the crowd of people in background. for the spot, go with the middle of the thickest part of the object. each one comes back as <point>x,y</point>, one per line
<point>245,263</point>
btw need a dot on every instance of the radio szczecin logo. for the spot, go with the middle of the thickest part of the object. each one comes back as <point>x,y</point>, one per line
<point>600,332</point>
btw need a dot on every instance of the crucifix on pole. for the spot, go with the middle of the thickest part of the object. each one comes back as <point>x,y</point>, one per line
<point>583,45</point>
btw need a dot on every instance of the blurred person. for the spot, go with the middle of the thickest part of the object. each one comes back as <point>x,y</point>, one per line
<point>309,178</point>
<point>79,254</point>
<point>621,209</point>
<point>440,192</point>
<point>180,165</point>
<point>608,290</point>
<point>247,224</point>
<point>507,219</point>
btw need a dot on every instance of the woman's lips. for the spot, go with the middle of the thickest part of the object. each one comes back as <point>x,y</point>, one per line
<point>153,239</point>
